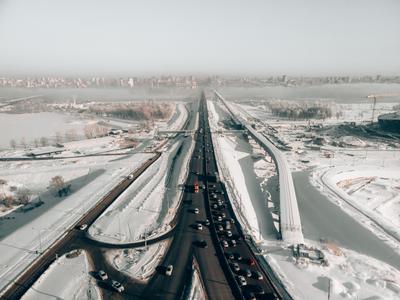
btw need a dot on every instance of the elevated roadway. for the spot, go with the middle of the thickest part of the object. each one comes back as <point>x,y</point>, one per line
<point>289,216</point>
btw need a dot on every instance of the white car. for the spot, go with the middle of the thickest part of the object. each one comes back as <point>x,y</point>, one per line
<point>83,227</point>
<point>241,280</point>
<point>224,244</point>
<point>102,275</point>
<point>117,286</point>
<point>196,210</point>
<point>130,176</point>
<point>168,270</point>
<point>199,227</point>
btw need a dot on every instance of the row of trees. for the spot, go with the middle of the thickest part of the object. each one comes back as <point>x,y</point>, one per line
<point>22,195</point>
<point>294,110</point>
<point>17,197</point>
<point>134,111</point>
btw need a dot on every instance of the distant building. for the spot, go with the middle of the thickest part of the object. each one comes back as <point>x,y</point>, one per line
<point>390,122</point>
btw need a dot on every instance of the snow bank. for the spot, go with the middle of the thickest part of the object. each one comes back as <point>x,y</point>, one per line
<point>66,278</point>
<point>138,263</point>
<point>147,207</point>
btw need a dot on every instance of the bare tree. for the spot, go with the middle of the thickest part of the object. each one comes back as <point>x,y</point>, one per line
<point>36,143</point>
<point>44,141</point>
<point>23,143</point>
<point>8,201</point>
<point>56,184</point>
<point>13,144</point>
<point>24,195</point>
<point>58,137</point>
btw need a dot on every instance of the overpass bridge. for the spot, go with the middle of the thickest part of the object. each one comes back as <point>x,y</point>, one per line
<point>289,216</point>
<point>174,132</point>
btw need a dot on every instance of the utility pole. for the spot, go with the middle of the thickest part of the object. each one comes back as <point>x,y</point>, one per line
<point>329,288</point>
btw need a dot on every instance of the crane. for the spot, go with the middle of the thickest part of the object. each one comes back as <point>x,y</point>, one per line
<point>375,96</point>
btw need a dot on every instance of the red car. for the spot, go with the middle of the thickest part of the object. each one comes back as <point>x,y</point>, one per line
<point>250,261</point>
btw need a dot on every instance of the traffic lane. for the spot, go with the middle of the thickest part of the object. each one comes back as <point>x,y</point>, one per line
<point>164,287</point>
<point>241,247</point>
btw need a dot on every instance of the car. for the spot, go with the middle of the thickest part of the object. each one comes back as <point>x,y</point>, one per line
<point>199,226</point>
<point>102,275</point>
<point>233,243</point>
<point>249,296</point>
<point>250,261</point>
<point>207,222</point>
<point>219,219</point>
<point>257,290</point>
<point>241,280</point>
<point>117,286</point>
<point>224,244</point>
<point>130,176</point>
<point>247,272</point>
<point>257,275</point>
<point>229,255</point>
<point>237,256</point>
<point>220,228</point>
<point>83,227</point>
<point>215,206</point>
<point>196,211</point>
<point>228,233</point>
<point>168,270</point>
<point>222,215</point>
<point>201,243</point>
<point>235,267</point>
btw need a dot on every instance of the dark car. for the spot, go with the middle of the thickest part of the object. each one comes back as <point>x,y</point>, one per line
<point>246,272</point>
<point>201,243</point>
<point>250,261</point>
<point>229,255</point>
<point>235,267</point>
<point>237,256</point>
<point>257,275</point>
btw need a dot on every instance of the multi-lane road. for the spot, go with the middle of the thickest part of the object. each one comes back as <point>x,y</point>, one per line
<point>227,262</point>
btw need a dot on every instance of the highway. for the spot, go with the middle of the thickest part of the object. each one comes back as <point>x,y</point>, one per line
<point>216,262</point>
<point>184,245</point>
<point>290,222</point>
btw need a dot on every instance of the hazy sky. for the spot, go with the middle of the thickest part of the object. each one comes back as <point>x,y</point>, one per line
<point>299,37</point>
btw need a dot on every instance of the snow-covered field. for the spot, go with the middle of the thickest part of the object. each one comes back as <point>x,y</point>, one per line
<point>148,205</point>
<point>66,278</point>
<point>25,232</point>
<point>352,275</point>
<point>138,263</point>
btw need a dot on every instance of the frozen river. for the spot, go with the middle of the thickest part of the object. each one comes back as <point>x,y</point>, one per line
<point>321,218</point>
<point>36,125</point>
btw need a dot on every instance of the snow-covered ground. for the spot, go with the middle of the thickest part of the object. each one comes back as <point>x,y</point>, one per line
<point>138,263</point>
<point>24,232</point>
<point>66,278</point>
<point>352,274</point>
<point>147,207</point>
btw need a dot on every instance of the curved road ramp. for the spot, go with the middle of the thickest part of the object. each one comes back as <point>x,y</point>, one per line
<point>290,223</point>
